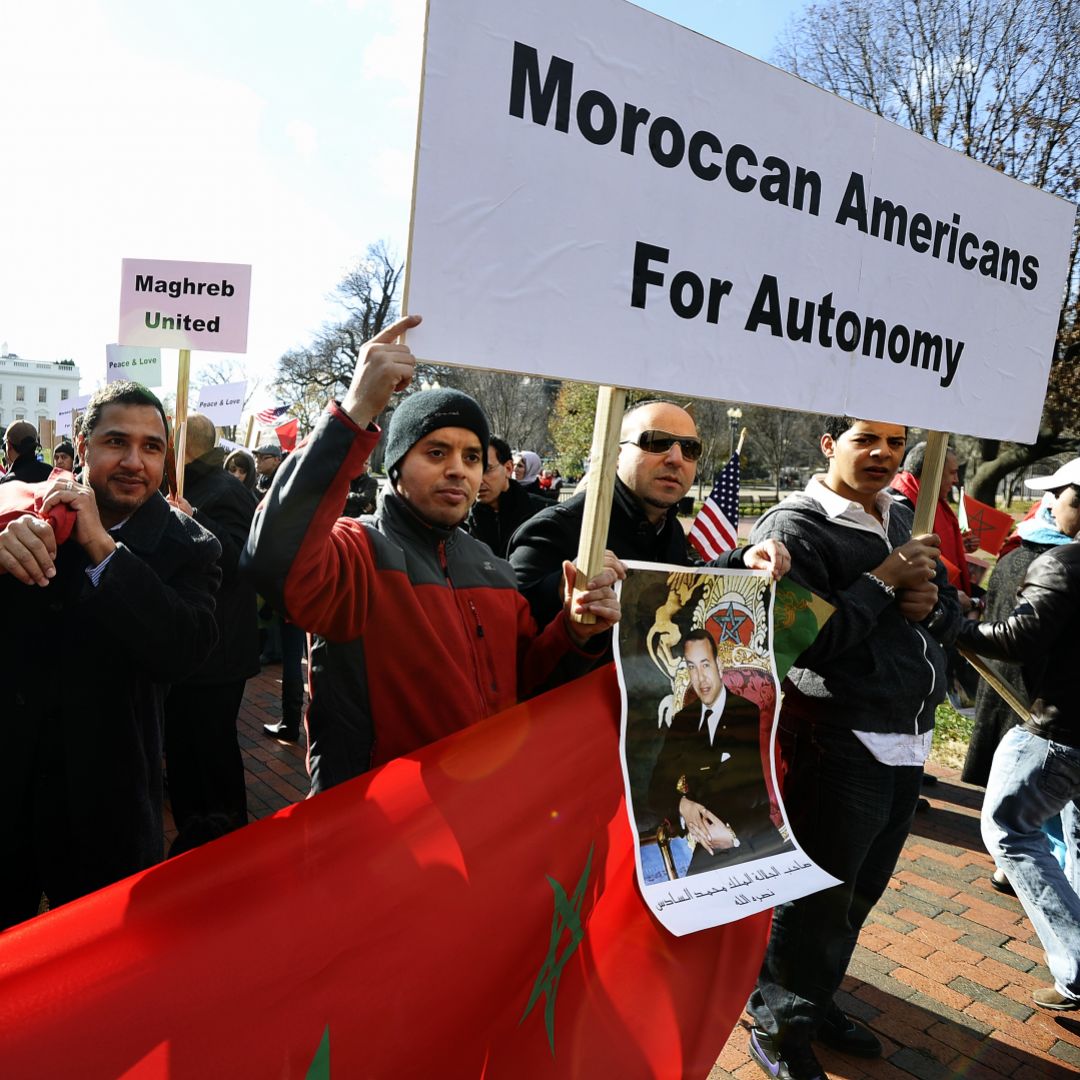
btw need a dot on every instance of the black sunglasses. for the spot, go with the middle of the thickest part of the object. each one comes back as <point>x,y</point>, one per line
<point>661,442</point>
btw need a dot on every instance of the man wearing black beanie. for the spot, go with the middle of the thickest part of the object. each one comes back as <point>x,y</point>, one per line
<point>418,629</point>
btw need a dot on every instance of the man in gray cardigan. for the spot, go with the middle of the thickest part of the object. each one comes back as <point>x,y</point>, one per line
<point>854,729</point>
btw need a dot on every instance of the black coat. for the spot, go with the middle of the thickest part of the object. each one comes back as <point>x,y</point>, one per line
<point>224,506</point>
<point>84,674</point>
<point>1042,632</point>
<point>538,548</point>
<point>27,469</point>
<point>516,506</point>
<point>993,717</point>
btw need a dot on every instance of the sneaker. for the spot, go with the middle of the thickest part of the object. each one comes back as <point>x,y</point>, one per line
<point>841,1032</point>
<point>1047,997</point>
<point>791,1064</point>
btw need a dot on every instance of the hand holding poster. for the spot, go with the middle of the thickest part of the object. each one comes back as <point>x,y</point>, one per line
<point>700,682</point>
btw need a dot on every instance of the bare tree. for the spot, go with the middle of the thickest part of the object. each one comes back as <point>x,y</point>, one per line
<point>996,80</point>
<point>517,406</point>
<point>781,440</point>
<point>308,377</point>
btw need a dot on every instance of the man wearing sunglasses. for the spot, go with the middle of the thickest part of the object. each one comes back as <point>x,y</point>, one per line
<point>658,453</point>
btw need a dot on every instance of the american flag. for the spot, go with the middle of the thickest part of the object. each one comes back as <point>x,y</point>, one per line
<point>266,417</point>
<point>716,528</point>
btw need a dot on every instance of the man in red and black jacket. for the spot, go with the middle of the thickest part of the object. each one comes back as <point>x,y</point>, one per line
<point>420,629</point>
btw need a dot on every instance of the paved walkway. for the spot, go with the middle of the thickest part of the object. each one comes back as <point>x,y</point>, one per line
<point>944,969</point>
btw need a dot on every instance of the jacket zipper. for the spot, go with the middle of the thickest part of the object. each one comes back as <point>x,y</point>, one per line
<point>479,626</point>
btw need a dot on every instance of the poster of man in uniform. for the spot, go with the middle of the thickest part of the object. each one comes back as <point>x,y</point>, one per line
<point>700,690</point>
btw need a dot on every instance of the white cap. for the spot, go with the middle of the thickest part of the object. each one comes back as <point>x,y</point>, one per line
<point>1069,473</point>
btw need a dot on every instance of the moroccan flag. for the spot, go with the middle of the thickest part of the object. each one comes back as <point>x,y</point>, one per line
<point>468,910</point>
<point>989,524</point>
<point>287,435</point>
<point>18,498</point>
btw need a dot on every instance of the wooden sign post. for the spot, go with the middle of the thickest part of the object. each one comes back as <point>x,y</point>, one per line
<point>610,405</point>
<point>251,424</point>
<point>180,438</point>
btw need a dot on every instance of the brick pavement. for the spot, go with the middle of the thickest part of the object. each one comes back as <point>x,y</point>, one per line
<point>943,970</point>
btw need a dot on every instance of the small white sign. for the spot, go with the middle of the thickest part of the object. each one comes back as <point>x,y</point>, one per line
<point>184,305</point>
<point>66,408</point>
<point>139,363</point>
<point>222,402</point>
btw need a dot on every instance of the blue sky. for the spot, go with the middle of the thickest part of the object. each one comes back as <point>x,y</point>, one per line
<point>279,134</point>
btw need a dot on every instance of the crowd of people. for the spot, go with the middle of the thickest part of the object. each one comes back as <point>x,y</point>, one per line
<point>449,597</point>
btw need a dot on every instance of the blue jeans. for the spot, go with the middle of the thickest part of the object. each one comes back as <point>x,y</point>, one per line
<point>851,815</point>
<point>1031,780</point>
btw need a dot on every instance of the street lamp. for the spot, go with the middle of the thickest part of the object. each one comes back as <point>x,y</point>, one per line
<point>734,415</point>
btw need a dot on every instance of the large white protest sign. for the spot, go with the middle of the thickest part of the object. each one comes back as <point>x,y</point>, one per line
<point>64,412</point>
<point>222,403</point>
<point>141,364</point>
<point>184,305</point>
<point>604,195</point>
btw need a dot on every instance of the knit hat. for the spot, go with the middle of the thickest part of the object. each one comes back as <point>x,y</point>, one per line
<point>425,411</point>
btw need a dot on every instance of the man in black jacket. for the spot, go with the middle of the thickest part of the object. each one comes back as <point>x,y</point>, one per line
<point>854,730</point>
<point>502,504</point>
<point>657,464</point>
<point>80,783</point>
<point>1035,774</point>
<point>20,446</point>
<point>202,754</point>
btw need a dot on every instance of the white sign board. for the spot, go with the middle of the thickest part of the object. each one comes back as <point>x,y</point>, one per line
<point>184,305</point>
<point>664,212</point>
<point>140,364</point>
<point>64,411</point>
<point>222,403</point>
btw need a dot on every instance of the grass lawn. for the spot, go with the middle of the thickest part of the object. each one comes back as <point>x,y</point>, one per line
<point>952,732</point>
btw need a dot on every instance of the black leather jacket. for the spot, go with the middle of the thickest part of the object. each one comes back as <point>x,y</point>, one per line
<point>1043,634</point>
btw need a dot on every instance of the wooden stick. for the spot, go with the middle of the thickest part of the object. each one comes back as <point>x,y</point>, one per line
<point>937,443</point>
<point>742,439</point>
<point>1000,686</point>
<point>183,376</point>
<point>251,424</point>
<point>610,404</point>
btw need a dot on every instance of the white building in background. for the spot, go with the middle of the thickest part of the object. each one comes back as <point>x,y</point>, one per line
<point>33,389</point>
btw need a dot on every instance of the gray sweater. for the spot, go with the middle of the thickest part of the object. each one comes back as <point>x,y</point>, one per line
<point>870,668</point>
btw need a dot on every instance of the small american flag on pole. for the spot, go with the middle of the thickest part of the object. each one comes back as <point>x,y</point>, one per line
<point>716,528</point>
<point>266,417</point>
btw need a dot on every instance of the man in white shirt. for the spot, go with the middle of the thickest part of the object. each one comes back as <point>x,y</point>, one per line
<point>855,728</point>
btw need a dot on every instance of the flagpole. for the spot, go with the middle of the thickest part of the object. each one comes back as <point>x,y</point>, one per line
<point>742,439</point>
<point>251,424</point>
<point>610,405</point>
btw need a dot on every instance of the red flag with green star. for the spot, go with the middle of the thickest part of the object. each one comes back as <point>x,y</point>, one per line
<point>468,910</point>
